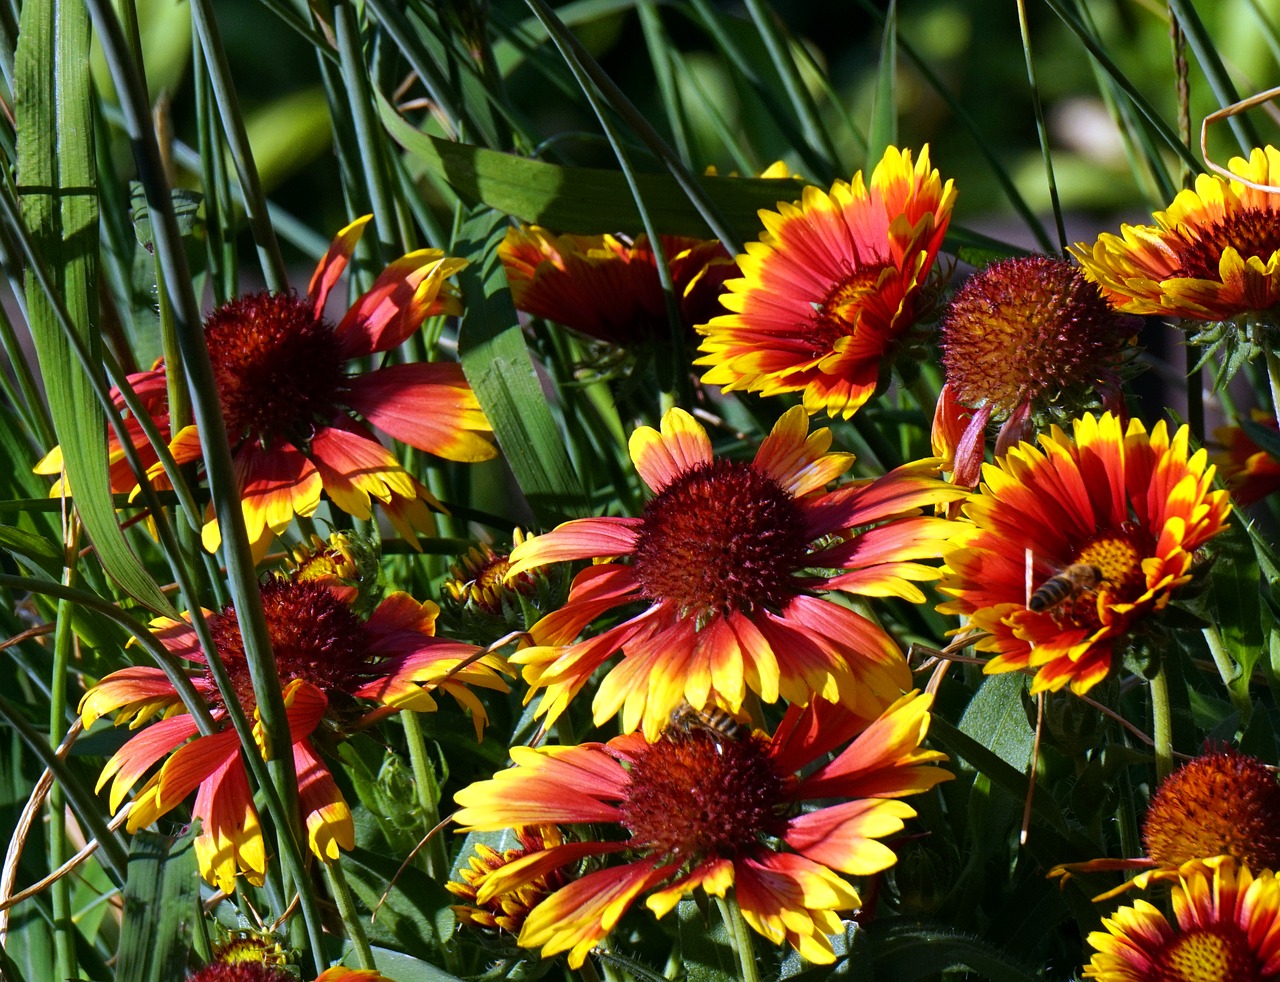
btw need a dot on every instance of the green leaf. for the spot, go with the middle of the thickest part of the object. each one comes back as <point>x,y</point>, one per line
<point>59,206</point>
<point>906,952</point>
<point>497,364</point>
<point>884,111</point>
<point>995,718</point>
<point>161,903</point>
<point>584,200</point>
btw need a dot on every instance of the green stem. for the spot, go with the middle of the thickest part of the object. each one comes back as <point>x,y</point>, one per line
<point>341,891</point>
<point>741,935</point>
<point>588,971</point>
<point>1162,722</point>
<point>424,778</point>
<point>63,928</point>
<point>1229,672</point>
<point>1041,128</point>
<point>1273,376</point>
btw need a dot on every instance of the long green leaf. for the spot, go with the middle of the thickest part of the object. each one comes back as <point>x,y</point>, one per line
<point>498,366</point>
<point>59,206</point>
<point>582,199</point>
<point>161,902</point>
<point>884,112</point>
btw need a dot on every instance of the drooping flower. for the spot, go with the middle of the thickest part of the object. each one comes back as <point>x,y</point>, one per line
<point>1227,930</point>
<point>728,559</point>
<point>1105,522</point>
<point>696,809</point>
<point>607,287</point>
<point>1249,470</point>
<point>832,288</point>
<point>300,423</point>
<point>1222,806</point>
<point>330,661</point>
<point>507,911</point>
<point>1212,256</point>
<point>1027,341</point>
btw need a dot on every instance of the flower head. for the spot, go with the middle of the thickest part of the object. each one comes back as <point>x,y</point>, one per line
<point>507,911</point>
<point>1028,340</point>
<point>1251,471</point>
<point>300,420</point>
<point>1074,544</point>
<point>831,288</point>
<point>629,803</point>
<point>727,561</point>
<point>1212,256</point>
<point>608,288</point>
<point>1227,930</point>
<point>330,661</point>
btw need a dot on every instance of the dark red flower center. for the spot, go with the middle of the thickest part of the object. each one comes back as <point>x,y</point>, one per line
<point>702,796</point>
<point>314,635</point>
<point>278,369</point>
<point>841,311</point>
<point>241,972</point>
<point>723,536</point>
<point>1218,952</point>
<point>1219,804</point>
<point>1253,232</point>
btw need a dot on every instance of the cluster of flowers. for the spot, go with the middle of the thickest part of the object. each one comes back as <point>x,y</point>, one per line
<point>742,584</point>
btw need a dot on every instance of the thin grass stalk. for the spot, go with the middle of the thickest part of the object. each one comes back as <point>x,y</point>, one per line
<point>1042,131</point>
<point>218,211</point>
<point>341,892</point>
<point>450,111</point>
<point>744,158</point>
<point>30,406</point>
<point>1099,54</point>
<point>996,168</point>
<point>424,779</point>
<point>277,779</point>
<point>206,29</point>
<point>678,380</point>
<point>83,802</point>
<point>1210,62</point>
<point>778,46</point>
<point>585,67</point>
<point>64,934</point>
<point>389,225</point>
<point>660,49</point>
<point>740,936</point>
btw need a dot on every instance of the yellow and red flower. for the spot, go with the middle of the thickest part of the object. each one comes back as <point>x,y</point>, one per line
<point>728,559</point>
<point>1227,930</point>
<point>1130,507</point>
<point>628,803</point>
<point>329,661</point>
<point>506,911</point>
<point>607,287</point>
<point>1248,470</point>
<point>1212,256</point>
<point>831,287</point>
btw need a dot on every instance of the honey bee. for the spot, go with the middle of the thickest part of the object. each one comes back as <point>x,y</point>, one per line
<point>1076,579</point>
<point>711,719</point>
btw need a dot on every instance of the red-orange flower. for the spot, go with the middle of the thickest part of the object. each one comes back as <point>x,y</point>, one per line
<point>300,423</point>
<point>608,288</point>
<point>831,288</point>
<point>728,559</point>
<point>1250,471</point>
<point>697,809</point>
<point>329,661</point>
<point>1105,522</point>
<point>1227,930</point>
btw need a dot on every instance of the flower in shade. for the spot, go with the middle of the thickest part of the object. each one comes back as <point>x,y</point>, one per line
<point>260,972</point>
<point>1075,543</point>
<point>1222,806</point>
<point>300,421</point>
<point>607,287</point>
<point>1249,470</point>
<point>1212,256</point>
<point>1227,930</point>
<point>696,809</point>
<point>330,663</point>
<point>830,291</point>
<point>151,389</point>
<point>506,911</point>
<point>1026,341</point>
<point>727,561</point>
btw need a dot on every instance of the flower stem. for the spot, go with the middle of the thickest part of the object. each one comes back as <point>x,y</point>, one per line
<point>1162,721</point>
<point>741,935</point>
<point>350,916</point>
<point>1229,672</point>
<point>424,777</point>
